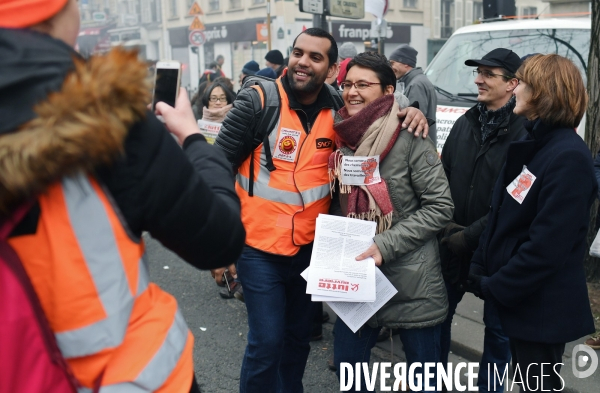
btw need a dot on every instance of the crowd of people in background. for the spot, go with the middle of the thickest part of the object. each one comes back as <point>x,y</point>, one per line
<point>471,161</point>
<point>502,213</point>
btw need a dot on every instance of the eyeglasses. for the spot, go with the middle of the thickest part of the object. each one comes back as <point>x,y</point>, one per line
<point>215,99</point>
<point>488,74</point>
<point>360,85</point>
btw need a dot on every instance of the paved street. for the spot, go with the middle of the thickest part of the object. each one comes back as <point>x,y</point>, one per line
<point>219,327</point>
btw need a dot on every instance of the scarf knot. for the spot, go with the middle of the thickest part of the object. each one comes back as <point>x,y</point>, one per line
<point>372,131</point>
<point>490,120</point>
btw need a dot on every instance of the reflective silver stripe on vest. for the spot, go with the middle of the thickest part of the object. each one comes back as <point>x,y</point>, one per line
<point>261,189</point>
<point>98,245</point>
<point>159,368</point>
<point>316,193</point>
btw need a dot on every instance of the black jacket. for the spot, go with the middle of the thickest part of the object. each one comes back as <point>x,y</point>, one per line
<point>472,169</point>
<point>532,252</point>
<point>185,199</point>
<point>239,135</point>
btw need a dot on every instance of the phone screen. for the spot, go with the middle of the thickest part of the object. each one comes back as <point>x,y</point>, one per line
<point>165,89</point>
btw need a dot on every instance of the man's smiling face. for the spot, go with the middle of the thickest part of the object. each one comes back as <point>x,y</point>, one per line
<point>309,66</point>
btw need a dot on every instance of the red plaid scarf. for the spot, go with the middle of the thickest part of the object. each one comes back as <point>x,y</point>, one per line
<point>373,131</point>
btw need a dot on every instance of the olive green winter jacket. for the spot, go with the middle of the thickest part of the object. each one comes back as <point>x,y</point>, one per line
<point>423,206</point>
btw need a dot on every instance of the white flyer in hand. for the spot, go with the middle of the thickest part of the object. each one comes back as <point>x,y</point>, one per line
<point>356,314</point>
<point>334,272</point>
<point>209,129</point>
<point>360,171</point>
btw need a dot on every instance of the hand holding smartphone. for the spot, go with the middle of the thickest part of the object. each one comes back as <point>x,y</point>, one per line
<point>167,78</point>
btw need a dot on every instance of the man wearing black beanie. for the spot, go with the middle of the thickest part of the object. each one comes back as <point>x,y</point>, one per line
<point>274,60</point>
<point>413,83</point>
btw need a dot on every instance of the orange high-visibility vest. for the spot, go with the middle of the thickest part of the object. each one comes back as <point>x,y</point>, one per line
<point>280,216</point>
<point>92,281</point>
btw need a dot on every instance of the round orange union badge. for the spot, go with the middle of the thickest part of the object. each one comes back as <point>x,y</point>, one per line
<point>287,145</point>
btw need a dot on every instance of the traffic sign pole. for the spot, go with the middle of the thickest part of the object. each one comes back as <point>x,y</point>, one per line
<point>269,24</point>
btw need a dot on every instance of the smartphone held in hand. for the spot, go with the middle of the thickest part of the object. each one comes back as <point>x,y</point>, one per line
<point>166,82</point>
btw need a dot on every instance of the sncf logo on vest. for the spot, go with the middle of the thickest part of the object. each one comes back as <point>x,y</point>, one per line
<point>324,143</point>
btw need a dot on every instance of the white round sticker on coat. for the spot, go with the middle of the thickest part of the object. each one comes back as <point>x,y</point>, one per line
<point>287,145</point>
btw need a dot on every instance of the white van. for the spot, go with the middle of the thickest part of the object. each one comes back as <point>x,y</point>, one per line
<point>454,81</point>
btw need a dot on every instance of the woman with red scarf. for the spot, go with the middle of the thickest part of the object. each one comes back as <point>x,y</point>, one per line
<point>407,195</point>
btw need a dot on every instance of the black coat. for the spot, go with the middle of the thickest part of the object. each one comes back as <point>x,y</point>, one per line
<point>533,251</point>
<point>472,169</point>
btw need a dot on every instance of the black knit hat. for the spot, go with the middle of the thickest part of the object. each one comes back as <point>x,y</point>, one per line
<point>274,57</point>
<point>250,68</point>
<point>404,54</point>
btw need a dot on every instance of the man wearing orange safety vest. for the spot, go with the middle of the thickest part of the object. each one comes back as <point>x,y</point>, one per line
<point>78,145</point>
<point>283,185</point>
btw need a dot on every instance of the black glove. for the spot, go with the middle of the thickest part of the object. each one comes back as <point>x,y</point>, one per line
<point>451,229</point>
<point>457,243</point>
<point>473,285</point>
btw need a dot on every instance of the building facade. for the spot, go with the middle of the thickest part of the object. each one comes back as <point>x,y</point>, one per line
<point>235,29</point>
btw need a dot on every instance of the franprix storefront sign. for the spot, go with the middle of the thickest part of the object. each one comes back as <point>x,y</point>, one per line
<point>344,31</point>
<point>218,32</point>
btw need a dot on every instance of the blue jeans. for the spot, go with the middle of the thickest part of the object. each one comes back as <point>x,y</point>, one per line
<point>420,345</point>
<point>279,321</point>
<point>496,347</point>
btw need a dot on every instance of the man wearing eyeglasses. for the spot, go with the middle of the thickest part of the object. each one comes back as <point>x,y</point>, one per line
<point>472,157</point>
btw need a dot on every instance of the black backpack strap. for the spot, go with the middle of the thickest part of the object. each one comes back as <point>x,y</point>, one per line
<point>268,119</point>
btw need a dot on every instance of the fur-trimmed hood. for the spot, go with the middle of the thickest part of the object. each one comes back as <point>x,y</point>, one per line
<point>79,127</point>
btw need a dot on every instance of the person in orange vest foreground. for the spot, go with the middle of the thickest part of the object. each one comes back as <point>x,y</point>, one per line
<point>283,188</point>
<point>77,141</point>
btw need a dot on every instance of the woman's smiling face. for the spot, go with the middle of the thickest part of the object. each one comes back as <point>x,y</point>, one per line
<point>357,99</point>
